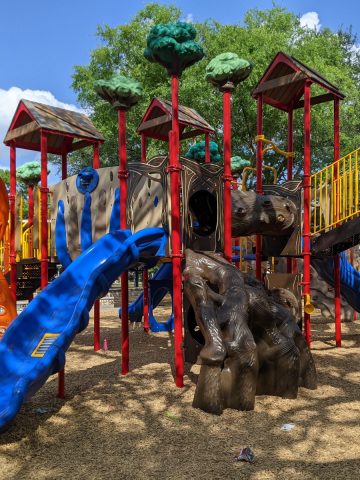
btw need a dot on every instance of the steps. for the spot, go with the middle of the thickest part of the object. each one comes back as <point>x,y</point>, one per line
<point>28,273</point>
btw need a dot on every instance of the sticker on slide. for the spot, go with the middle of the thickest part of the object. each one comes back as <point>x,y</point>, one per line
<point>45,343</point>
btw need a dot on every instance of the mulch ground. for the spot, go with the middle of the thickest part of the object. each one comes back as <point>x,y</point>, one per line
<point>141,426</point>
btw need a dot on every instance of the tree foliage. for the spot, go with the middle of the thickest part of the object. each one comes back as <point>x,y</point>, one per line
<point>261,34</point>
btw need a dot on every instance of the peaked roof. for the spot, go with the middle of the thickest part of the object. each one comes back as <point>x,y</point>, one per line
<point>156,122</point>
<point>62,126</point>
<point>282,84</point>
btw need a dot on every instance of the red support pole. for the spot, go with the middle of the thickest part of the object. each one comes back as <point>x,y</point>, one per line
<point>306,223</point>
<point>259,168</point>
<point>207,148</point>
<point>290,147</point>
<point>44,211</point>
<point>337,257</point>
<point>61,384</point>
<point>13,273</point>
<point>64,164</point>
<point>96,157</point>
<point>97,342</point>
<point>146,299</point>
<point>175,179</point>
<point>227,174</point>
<point>123,224</point>
<point>143,148</point>
<point>145,271</point>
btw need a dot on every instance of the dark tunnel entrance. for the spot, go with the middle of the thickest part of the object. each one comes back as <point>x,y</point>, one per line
<point>203,210</point>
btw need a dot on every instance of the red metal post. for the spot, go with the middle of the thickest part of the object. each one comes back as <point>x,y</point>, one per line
<point>61,384</point>
<point>227,173</point>
<point>123,224</point>
<point>145,271</point>
<point>97,343</point>
<point>290,264</point>
<point>13,275</point>
<point>174,169</point>
<point>146,299</point>
<point>306,222</point>
<point>337,257</point>
<point>44,211</point>
<point>64,164</point>
<point>259,167</point>
<point>207,148</point>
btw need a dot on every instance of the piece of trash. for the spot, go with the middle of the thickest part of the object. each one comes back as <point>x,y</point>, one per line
<point>106,345</point>
<point>246,455</point>
<point>42,410</point>
<point>287,427</point>
<point>172,417</point>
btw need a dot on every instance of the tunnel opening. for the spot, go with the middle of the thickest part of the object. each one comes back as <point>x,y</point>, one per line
<point>203,211</point>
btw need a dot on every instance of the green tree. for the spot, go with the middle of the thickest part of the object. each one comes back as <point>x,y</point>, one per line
<point>262,34</point>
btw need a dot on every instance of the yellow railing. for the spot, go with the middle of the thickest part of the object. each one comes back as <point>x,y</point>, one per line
<point>335,193</point>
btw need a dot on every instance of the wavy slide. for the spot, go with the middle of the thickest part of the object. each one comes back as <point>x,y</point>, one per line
<point>349,278</point>
<point>34,346</point>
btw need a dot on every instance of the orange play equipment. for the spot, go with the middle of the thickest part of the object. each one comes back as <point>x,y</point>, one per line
<point>7,302</point>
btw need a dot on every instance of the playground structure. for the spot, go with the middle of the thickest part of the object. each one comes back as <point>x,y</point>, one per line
<point>106,220</point>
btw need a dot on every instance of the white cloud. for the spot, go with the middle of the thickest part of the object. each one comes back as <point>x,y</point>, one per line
<point>9,100</point>
<point>311,21</point>
<point>189,18</point>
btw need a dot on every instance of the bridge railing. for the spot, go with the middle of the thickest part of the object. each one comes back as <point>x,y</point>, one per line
<point>335,193</point>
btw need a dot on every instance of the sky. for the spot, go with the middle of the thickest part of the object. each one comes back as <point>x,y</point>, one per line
<point>42,40</point>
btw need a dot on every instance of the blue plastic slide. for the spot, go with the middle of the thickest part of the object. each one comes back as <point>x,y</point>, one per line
<point>349,278</point>
<point>34,345</point>
<point>159,285</point>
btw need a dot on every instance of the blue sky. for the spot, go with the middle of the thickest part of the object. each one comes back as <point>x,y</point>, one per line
<point>41,40</point>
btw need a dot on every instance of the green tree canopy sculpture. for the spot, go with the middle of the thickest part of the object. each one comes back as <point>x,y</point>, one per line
<point>238,164</point>
<point>29,173</point>
<point>227,67</point>
<point>173,46</point>
<point>197,152</point>
<point>120,91</point>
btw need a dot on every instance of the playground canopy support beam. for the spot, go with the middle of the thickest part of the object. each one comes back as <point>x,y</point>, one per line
<point>174,169</point>
<point>13,280</point>
<point>226,90</point>
<point>123,174</point>
<point>259,154</point>
<point>97,343</point>
<point>306,222</point>
<point>290,262</point>
<point>207,148</point>
<point>44,211</point>
<point>145,271</point>
<point>337,299</point>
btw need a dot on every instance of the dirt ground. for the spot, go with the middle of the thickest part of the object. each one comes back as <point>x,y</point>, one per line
<point>141,426</point>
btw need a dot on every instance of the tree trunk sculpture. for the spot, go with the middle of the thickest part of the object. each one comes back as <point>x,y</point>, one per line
<point>252,343</point>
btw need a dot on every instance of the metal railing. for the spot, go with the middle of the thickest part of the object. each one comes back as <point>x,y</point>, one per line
<point>335,193</point>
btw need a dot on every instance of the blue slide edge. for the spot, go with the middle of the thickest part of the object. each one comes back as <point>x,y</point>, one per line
<point>62,310</point>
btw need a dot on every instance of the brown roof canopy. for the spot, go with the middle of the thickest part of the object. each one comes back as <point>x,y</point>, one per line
<point>282,84</point>
<point>156,123</point>
<point>61,125</point>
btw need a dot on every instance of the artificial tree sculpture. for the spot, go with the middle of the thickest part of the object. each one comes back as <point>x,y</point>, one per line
<point>122,93</point>
<point>173,46</point>
<point>225,71</point>
<point>197,152</point>
<point>252,344</point>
